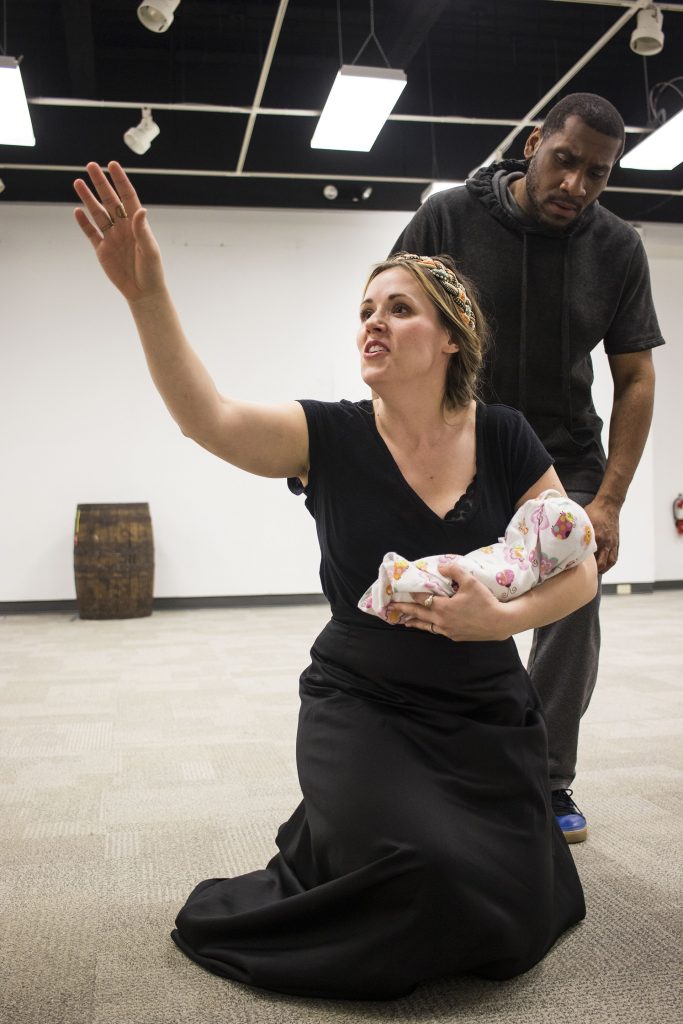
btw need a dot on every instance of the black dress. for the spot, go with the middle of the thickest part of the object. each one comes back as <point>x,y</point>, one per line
<point>425,843</point>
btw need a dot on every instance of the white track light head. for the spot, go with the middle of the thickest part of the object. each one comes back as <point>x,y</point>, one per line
<point>647,38</point>
<point>157,15</point>
<point>141,137</point>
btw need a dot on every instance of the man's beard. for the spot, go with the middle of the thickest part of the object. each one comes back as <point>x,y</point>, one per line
<point>538,213</point>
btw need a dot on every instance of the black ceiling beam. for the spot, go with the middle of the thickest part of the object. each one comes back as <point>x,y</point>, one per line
<point>416,26</point>
<point>80,47</point>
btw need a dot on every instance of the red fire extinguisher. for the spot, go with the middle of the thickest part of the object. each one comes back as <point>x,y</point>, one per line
<point>678,513</point>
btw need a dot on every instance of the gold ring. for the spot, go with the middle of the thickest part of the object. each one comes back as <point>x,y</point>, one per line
<point>120,212</point>
<point>109,224</point>
<point>429,601</point>
<point>433,630</point>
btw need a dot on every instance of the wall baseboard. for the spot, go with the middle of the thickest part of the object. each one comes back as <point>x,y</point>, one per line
<point>276,600</point>
<point>623,589</point>
<point>245,601</point>
<point>161,603</point>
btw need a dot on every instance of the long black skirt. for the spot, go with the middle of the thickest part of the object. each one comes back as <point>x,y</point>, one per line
<point>425,844</point>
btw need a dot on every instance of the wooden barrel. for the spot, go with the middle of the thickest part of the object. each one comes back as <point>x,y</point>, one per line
<point>114,561</point>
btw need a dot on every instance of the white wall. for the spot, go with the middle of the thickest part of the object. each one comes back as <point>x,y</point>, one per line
<point>269,299</point>
<point>664,244</point>
<point>636,546</point>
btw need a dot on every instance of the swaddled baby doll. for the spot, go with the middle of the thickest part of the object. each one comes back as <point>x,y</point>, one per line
<point>546,535</point>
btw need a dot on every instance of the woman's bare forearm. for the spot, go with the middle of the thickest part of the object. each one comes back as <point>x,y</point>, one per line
<point>178,373</point>
<point>269,441</point>
<point>552,600</point>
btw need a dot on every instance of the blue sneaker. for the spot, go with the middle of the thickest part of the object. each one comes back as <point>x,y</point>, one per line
<point>569,817</point>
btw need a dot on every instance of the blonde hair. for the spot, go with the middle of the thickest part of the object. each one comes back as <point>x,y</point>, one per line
<point>460,314</point>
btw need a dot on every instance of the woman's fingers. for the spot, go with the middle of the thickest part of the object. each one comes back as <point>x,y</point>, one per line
<point>93,235</point>
<point>141,230</point>
<point>111,202</point>
<point>127,197</point>
<point>108,196</point>
<point>115,224</point>
<point>418,614</point>
<point>98,213</point>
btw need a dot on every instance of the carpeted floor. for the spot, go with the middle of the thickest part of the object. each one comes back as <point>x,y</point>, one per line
<point>139,757</point>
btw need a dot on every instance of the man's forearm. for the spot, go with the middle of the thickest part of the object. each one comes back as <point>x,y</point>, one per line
<point>628,431</point>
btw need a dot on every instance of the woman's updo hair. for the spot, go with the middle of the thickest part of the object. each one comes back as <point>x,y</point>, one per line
<point>460,314</point>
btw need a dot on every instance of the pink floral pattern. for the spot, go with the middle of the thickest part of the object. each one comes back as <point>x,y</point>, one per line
<point>530,552</point>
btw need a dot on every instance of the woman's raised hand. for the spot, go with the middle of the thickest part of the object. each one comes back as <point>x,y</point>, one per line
<point>114,221</point>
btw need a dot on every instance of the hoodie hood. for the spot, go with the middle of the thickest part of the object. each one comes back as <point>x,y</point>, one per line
<point>488,186</point>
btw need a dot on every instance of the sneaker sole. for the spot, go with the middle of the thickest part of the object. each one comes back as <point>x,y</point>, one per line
<point>578,835</point>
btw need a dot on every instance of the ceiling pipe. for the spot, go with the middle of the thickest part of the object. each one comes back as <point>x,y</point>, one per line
<point>212,108</point>
<point>263,78</point>
<point>289,176</point>
<point>678,8</point>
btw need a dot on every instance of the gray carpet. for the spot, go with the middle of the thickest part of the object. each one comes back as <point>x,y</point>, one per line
<point>139,757</point>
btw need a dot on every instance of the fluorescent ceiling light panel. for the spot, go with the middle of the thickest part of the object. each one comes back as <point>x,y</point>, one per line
<point>662,150</point>
<point>15,121</point>
<point>438,186</point>
<point>359,103</point>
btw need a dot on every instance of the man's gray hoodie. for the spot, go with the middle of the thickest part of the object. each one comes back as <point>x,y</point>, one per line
<point>550,298</point>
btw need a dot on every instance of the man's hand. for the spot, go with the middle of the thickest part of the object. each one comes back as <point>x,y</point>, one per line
<point>604,515</point>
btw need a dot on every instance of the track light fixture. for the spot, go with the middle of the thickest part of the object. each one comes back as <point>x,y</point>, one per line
<point>157,15</point>
<point>647,38</point>
<point>141,137</point>
<point>348,193</point>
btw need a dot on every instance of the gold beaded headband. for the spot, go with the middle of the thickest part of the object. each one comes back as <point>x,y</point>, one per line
<point>447,279</point>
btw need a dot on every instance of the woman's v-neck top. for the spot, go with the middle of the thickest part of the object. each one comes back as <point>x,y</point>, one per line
<point>363,506</point>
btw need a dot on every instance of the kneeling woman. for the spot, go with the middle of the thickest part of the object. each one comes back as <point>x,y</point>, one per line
<point>425,843</point>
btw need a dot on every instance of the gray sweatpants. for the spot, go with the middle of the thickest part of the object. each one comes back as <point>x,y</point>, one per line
<point>563,665</point>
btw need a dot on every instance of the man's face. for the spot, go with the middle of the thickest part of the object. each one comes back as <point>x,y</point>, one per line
<point>568,170</point>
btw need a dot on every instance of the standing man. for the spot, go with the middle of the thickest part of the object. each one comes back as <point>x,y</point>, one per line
<point>557,274</point>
